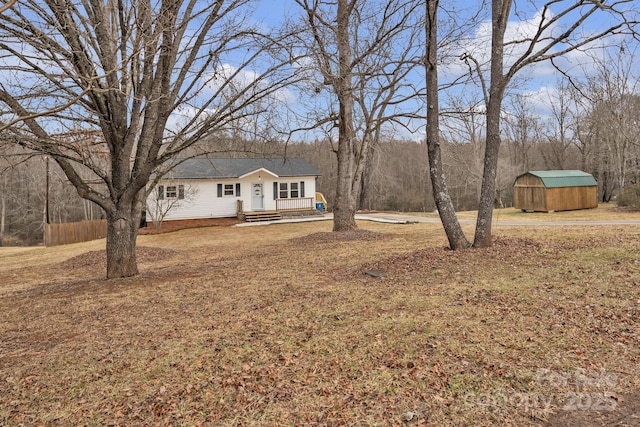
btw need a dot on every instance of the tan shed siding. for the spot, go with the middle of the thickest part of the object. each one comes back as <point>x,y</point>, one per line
<point>530,198</point>
<point>529,194</point>
<point>529,180</point>
<point>571,198</point>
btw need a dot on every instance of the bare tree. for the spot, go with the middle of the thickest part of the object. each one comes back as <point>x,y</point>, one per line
<point>3,206</point>
<point>614,108</point>
<point>522,129</point>
<point>6,6</point>
<point>153,78</point>
<point>558,31</point>
<point>384,91</point>
<point>436,44</point>
<point>363,52</point>
<point>23,193</point>
<point>455,235</point>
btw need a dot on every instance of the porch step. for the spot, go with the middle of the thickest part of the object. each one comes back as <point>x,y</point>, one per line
<point>262,216</point>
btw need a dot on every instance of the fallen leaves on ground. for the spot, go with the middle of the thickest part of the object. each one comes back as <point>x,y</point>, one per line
<point>284,328</point>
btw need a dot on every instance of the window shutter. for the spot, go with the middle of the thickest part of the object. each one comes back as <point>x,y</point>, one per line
<point>219,190</point>
<point>275,190</point>
<point>238,189</point>
<point>160,192</point>
<point>301,188</point>
<point>180,191</point>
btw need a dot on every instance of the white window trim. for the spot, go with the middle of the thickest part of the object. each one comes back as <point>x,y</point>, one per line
<point>224,190</point>
<point>286,190</point>
<point>289,190</point>
<point>178,190</point>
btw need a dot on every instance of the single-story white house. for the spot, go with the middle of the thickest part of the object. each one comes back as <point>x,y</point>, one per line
<point>218,188</point>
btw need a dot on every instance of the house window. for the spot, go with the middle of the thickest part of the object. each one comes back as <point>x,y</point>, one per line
<point>229,190</point>
<point>284,190</point>
<point>293,190</point>
<point>170,192</point>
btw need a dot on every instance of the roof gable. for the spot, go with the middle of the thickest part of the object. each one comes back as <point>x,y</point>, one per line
<point>216,168</point>
<point>563,178</point>
<point>268,172</point>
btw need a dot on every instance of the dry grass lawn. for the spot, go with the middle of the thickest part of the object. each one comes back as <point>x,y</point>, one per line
<point>604,212</point>
<point>279,325</point>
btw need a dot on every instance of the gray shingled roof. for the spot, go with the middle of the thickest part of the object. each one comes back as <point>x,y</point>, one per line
<point>201,168</point>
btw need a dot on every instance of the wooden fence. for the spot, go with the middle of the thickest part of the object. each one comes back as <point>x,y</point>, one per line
<point>75,232</point>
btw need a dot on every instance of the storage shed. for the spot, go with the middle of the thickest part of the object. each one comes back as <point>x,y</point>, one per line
<point>556,190</point>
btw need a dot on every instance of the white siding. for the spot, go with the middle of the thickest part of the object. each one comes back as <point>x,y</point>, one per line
<point>202,199</point>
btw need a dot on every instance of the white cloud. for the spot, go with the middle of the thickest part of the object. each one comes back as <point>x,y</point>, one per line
<point>517,35</point>
<point>182,115</point>
<point>228,75</point>
<point>226,82</point>
<point>229,79</point>
<point>541,99</point>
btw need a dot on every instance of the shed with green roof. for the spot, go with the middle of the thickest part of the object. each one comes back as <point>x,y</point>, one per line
<point>555,190</point>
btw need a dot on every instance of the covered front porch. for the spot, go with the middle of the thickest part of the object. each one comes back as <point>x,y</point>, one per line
<point>285,208</point>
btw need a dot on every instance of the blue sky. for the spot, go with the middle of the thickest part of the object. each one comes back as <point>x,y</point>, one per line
<point>537,81</point>
<point>272,11</point>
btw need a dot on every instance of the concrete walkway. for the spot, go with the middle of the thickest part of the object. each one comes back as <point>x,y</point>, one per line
<point>394,218</point>
<point>412,219</point>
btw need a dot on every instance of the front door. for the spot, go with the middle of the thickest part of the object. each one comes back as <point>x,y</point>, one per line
<point>257,203</point>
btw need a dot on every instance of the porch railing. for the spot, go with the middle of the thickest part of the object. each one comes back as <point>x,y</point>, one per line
<point>240,209</point>
<point>298,204</point>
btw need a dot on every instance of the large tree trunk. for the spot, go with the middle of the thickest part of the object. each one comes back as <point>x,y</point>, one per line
<point>364,196</point>
<point>482,237</point>
<point>122,232</point>
<point>3,202</point>
<point>121,247</point>
<point>455,235</point>
<point>500,10</point>
<point>345,204</point>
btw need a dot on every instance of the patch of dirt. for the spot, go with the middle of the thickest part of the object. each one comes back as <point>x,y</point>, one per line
<point>443,258</point>
<point>340,236</point>
<point>169,226</point>
<point>624,412</point>
<point>98,259</point>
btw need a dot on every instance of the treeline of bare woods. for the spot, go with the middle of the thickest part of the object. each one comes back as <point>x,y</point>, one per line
<point>602,138</point>
<point>23,198</point>
<point>396,177</point>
